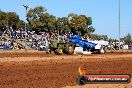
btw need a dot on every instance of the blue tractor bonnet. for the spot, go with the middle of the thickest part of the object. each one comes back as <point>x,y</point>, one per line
<point>77,40</point>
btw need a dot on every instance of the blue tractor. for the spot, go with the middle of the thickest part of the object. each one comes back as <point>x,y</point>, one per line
<point>77,41</point>
<point>71,44</point>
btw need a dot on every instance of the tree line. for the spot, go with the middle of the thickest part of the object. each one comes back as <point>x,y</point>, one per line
<point>39,20</point>
<point>10,19</point>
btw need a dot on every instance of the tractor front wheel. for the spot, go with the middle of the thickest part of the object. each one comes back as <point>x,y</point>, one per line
<point>48,51</point>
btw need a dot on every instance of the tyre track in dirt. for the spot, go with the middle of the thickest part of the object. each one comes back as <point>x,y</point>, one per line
<point>13,54</point>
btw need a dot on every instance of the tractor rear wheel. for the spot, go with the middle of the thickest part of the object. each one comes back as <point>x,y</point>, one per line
<point>58,51</point>
<point>69,49</point>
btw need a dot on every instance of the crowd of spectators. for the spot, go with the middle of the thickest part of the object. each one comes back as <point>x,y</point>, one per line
<point>15,39</point>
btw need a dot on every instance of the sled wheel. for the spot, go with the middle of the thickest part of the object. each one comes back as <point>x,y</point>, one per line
<point>102,50</point>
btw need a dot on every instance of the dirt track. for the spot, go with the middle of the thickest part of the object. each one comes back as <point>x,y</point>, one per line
<point>23,70</point>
